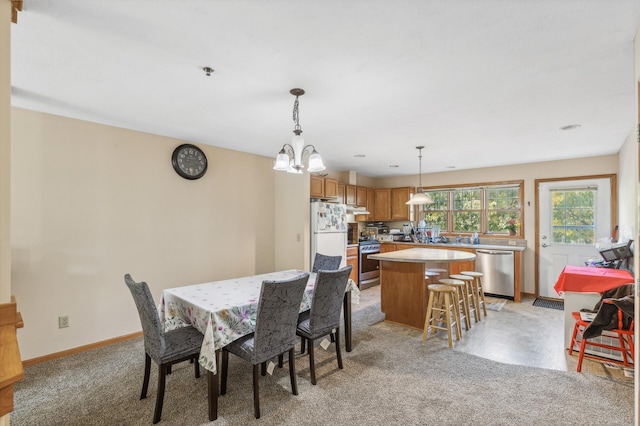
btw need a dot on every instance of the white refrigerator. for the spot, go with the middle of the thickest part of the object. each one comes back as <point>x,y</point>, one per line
<point>329,230</point>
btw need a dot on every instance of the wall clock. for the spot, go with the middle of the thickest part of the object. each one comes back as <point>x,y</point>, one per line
<point>189,161</point>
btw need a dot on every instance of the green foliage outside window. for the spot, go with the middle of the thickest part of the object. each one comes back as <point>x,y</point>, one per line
<point>573,217</point>
<point>467,205</point>
<point>437,212</point>
<point>503,204</point>
<point>483,209</point>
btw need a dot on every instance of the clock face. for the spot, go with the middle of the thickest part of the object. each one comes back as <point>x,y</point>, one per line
<point>189,161</point>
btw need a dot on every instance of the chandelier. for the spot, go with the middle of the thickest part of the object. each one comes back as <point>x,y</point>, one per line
<point>291,155</point>
<point>420,197</point>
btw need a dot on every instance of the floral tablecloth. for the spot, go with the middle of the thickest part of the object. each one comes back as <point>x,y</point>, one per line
<point>226,310</point>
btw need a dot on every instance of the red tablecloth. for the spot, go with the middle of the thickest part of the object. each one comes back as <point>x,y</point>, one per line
<point>583,279</point>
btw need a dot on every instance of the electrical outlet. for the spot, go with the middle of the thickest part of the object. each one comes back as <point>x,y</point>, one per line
<point>512,243</point>
<point>63,321</point>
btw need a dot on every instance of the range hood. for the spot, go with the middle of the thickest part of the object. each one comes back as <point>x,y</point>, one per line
<point>357,210</point>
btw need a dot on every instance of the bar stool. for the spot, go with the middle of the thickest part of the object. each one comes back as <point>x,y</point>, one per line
<point>471,298</point>
<point>431,276</point>
<point>463,301</point>
<point>442,301</point>
<point>478,288</point>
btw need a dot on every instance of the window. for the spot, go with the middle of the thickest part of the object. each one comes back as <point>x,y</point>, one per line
<point>482,208</point>
<point>467,210</point>
<point>573,216</point>
<point>437,213</point>
<point>503,204</point>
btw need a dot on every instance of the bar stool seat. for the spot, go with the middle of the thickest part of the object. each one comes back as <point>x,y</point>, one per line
<point>463,301</point>
<point>478,287</point>
<point>471,297</point>
<point>442,301</point>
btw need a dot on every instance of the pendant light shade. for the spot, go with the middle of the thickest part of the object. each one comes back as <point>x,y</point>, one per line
<point>291,155</point>
<point>419,197</point>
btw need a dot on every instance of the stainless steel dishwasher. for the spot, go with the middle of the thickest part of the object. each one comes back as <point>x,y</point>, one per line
<point>498,269</point>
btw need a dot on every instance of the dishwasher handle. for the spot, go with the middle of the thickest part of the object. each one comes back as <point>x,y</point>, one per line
<point>495,252</point>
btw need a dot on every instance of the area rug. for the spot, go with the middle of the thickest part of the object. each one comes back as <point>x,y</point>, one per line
<point>549,303</point>
<point>495,305</point>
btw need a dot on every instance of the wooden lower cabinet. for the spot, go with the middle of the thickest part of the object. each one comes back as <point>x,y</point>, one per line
<point>352,259</point>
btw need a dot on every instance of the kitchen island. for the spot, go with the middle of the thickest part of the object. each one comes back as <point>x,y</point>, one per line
<point>403,287</point>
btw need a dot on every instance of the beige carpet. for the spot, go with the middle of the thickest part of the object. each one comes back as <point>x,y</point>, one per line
<point>389,379</point>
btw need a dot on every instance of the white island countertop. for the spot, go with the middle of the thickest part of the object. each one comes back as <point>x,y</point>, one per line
<point>424,255</point>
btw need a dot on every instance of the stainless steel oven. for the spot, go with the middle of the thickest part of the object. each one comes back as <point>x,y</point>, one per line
<point>369,268</point>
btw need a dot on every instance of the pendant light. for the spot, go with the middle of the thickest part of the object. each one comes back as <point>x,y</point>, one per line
<point>419,197</point>
<point>290,157</point>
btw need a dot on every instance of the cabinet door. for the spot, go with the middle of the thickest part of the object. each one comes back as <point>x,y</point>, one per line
<point>351,195</point>
<point>361,196</point>
<point>399,206</point>
<point>382,203</point>
<point>457,267</point>
<point>352,259</point>
<point>387,247</point>
<point>341,193</point>
<point>317,187</point>
<point>370,206</point>
<point>330,188</point>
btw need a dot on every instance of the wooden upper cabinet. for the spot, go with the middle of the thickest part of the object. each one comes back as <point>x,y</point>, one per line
<point>330,188</point>
<point>361,196</point>
<point>371,198</point>
<point>317,187</point>
<point>341,193</point>
<point>399,207</point>
<point>351,195</point>
<point>382,204</point>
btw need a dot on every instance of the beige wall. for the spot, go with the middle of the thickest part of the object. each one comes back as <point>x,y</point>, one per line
<point>91,203</point>
<point>527,172</point>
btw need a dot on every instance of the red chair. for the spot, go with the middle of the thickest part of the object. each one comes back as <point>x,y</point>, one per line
<point>623,335</point>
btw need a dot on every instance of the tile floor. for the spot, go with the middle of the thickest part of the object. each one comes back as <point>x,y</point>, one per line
<point>519,333</point>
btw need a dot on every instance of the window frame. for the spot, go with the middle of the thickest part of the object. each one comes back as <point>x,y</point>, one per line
<point>484,211</point>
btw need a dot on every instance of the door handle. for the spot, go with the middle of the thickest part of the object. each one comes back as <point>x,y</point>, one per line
<point>545,245</point>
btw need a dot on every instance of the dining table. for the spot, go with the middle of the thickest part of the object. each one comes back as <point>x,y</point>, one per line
<point>224,311</point>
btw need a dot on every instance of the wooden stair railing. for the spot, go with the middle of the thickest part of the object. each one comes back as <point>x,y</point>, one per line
<point>11,366</point>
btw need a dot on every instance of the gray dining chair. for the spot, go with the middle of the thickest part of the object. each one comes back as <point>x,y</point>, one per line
<point>326,263</point>
<point>324,317</point>
<point>164,348</point>
<point>275,332</point>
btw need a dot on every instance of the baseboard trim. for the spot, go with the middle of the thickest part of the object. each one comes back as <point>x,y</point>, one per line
<point>79,349</point>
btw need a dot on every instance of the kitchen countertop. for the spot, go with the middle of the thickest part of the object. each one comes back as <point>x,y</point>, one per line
<point>424,255</point>
<point>460,245</point>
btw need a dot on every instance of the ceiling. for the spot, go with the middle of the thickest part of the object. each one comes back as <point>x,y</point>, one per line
<point>478,83</point>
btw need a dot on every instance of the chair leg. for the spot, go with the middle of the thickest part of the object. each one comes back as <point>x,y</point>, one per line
<point>583,344</point>
<point>263,368</point>
<point>256,392</point>
<point>312,362</point>
<point>573,337</point>
<point>147,372</point>
<point>196,366</point>
<point>162,373</point>
<point>303,342</point>
<point>223,372</point>
<point>338,351</point>
<point>292,371</point>
<point>280,360</point>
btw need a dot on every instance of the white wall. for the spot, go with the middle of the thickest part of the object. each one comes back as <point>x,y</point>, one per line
<point>92,202</point>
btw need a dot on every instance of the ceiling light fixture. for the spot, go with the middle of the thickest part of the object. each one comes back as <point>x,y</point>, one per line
<point>207,71</point>
<point>290,157</point>
<point>419,197</point>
